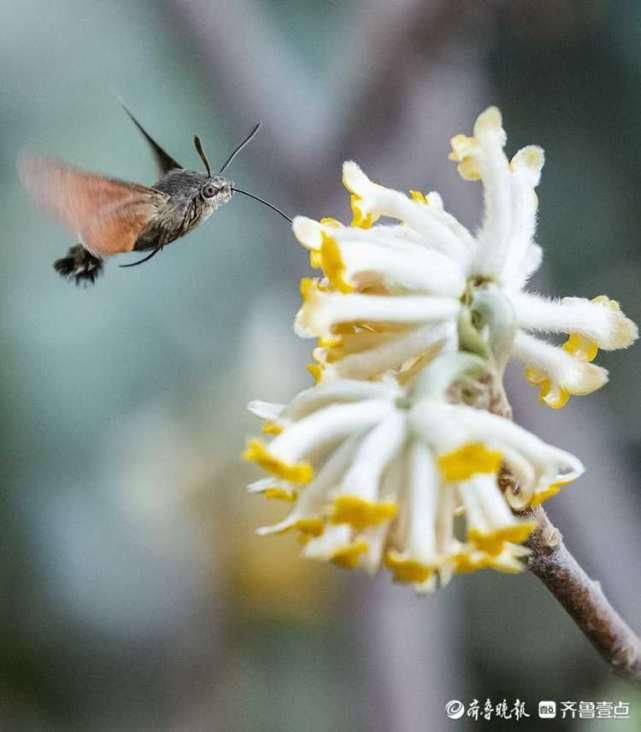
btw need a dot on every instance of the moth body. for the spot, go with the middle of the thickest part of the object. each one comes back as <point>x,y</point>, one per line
<point>112,216</point>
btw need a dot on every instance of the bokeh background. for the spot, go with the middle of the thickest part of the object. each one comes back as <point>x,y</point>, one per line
<point>134,594</point>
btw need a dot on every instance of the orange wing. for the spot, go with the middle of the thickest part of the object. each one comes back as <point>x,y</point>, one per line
<point>108,214</point>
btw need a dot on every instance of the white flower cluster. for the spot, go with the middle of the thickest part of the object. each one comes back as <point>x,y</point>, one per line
<point>381,466</point>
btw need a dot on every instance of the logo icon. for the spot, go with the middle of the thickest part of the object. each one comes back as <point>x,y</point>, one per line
<point>547,709</point>
<point>455,709</point>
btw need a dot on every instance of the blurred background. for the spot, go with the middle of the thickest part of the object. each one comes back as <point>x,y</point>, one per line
<point>134,594</point>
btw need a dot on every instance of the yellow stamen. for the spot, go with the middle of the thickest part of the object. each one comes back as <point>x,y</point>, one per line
<point>280,494</point>
<point>298,473</point>
<point>333,264</point>
<point>419,197</point>
<point>316,370</point>
<point>468,460</point>
<point>308,287</point>
<point>272,428</point>
<point>493,542</point>
<point>405,569</point>
<point>607,302</point>
<point>315,259</point>
<point>469,169</point>
<point>580,347</point>
<point>308,527</point>
<point>463,148</point>
<point>466,562</point>
<point>333,355</point>
<point>540,496</point>
<point>311,526</point>
<point>330,342</point>
<point>359,512</point>
<point>331,222</point>
<point>360,219</point>
<point>349,556</point>
<point>552,395</point>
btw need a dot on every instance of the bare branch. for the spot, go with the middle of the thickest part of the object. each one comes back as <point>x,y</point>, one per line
<point>583,599</point>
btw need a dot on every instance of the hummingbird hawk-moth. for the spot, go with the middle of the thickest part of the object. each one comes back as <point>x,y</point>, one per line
<point>112,216</point>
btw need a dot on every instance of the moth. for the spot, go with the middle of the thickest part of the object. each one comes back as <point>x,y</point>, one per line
<point>111,216</point>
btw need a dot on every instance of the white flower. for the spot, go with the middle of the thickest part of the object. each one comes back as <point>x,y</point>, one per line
<point>377,475</point>
<point>394,295</point>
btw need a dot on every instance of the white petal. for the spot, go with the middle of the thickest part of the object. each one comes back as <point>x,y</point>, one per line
<point>333,539</point>
<point>381,352</point>
<point>264,484</point>
<point>422,501</point>
<point>531,262</point>
<point>506,436</point>
<point>564,370</point>
<point>526,168</point>
<point>495,233</point>
<point>324,310</point>
<point>387,202</point>
<point>437,424</point>
<point>375,536</point>
<point>398,236</point>
<point>308,232</point>
<point>419,270</point>
<point>374,453</point>
<point>485,506</point>
<point>332,423</point>
<point>340,391</point>
<point>265,410</point>
<point>607,327</point>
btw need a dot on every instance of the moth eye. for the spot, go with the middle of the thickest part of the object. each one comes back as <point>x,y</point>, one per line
<point>209,191</point>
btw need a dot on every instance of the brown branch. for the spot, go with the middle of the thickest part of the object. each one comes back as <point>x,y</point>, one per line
<point>581,596</point>
<point>583,599</point>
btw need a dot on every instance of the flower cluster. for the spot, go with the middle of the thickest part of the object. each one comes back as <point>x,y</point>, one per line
<point>382,466</point>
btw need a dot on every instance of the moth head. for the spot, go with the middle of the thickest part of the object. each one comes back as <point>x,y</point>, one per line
<point>216,189</point>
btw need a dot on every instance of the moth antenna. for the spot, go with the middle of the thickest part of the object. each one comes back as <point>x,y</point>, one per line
<point>239,147</point>
<point>199,148</point>
<point>264,202</point>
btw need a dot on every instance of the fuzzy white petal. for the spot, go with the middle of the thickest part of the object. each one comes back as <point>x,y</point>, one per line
<point>608,327</point>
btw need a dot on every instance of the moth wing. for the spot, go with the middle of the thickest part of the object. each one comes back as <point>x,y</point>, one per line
<point>118,231</point>
<point>108,214</point>
<point>164,161</point>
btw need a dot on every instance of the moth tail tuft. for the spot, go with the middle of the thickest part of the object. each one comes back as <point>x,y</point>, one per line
<point>79,265</point>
